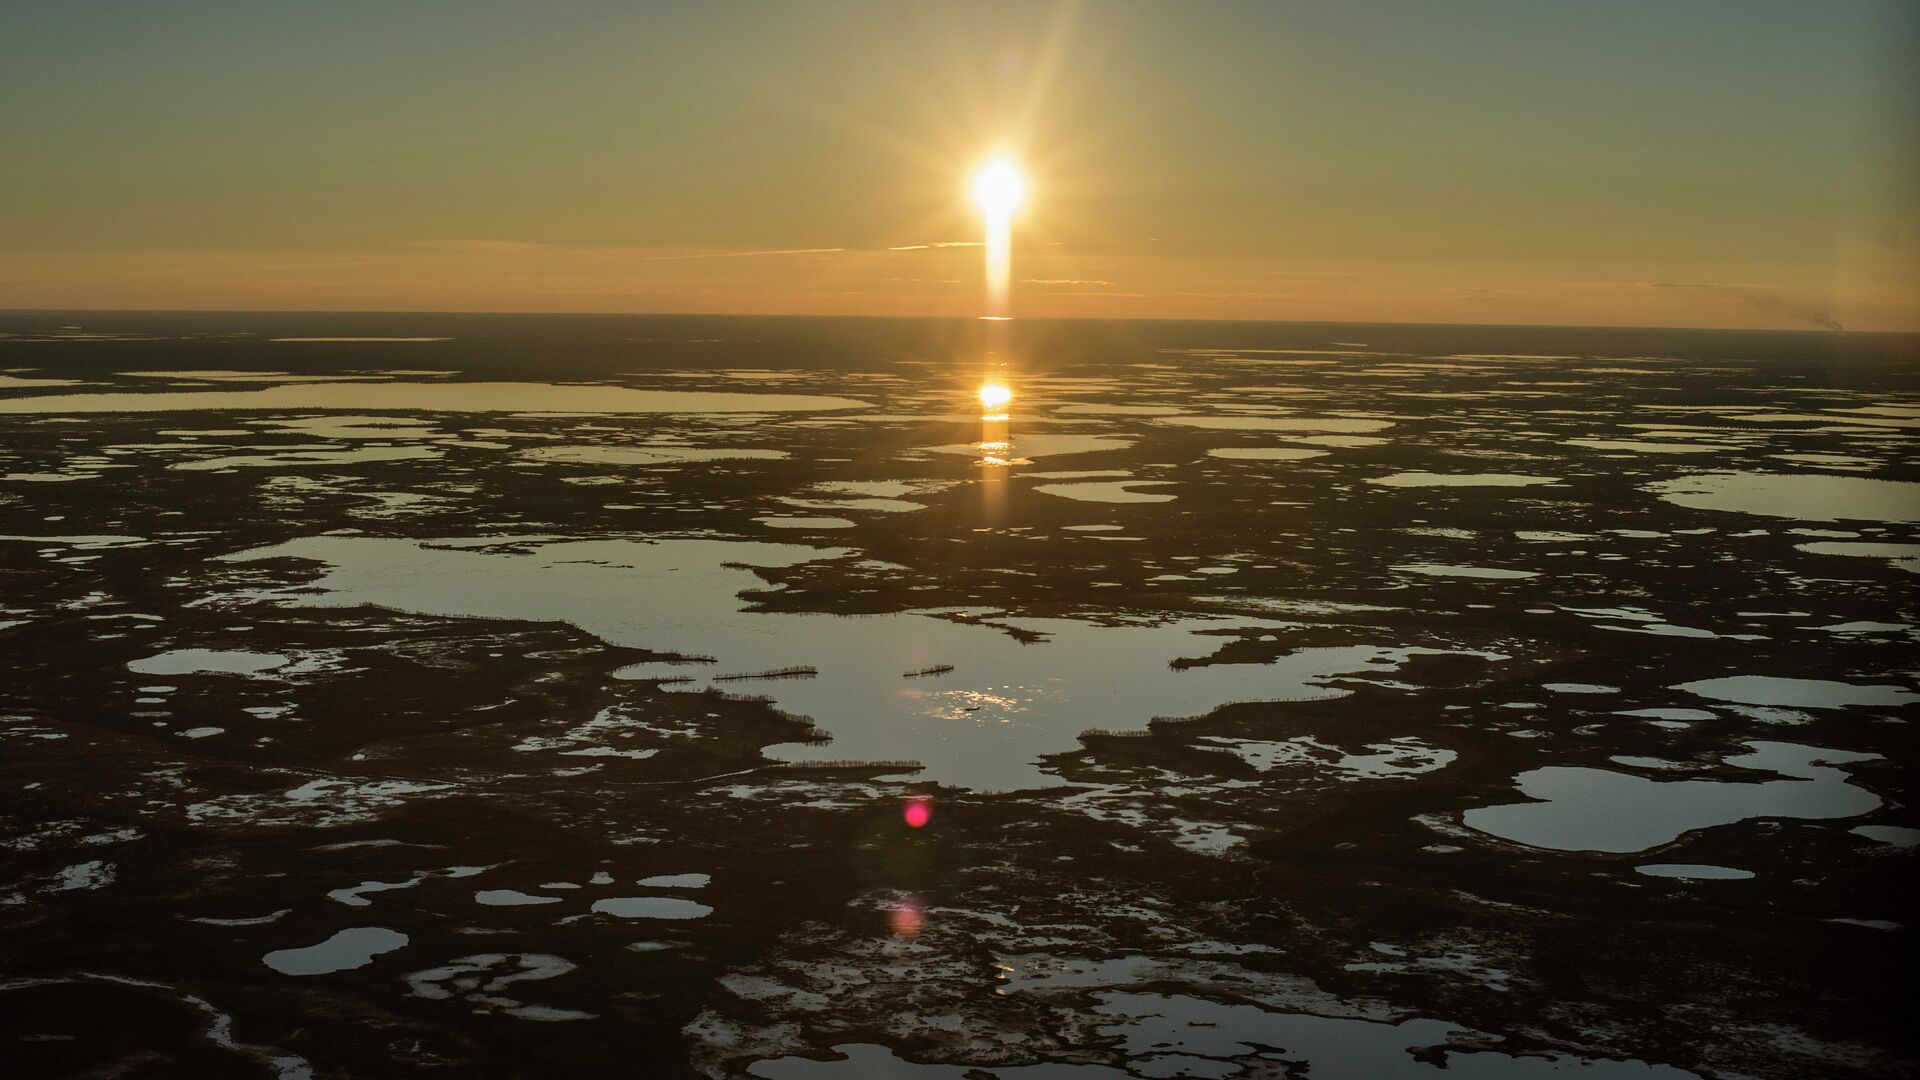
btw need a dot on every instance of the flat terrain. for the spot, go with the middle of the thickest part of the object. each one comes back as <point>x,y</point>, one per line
<point>398,696</point>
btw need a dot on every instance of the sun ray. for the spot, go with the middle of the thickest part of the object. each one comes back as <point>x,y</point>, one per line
<point>999,191</point>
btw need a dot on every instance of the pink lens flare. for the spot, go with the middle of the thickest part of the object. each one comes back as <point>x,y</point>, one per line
<point>917,811</point>
<point>906,917</point>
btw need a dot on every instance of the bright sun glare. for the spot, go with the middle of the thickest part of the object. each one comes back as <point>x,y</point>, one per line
<point>999,189</point>
<point>995,396</point>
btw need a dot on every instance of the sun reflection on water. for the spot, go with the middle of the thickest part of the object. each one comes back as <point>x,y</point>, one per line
<point>906,914</point>
<point>972,704</point>
<point>996,435</point>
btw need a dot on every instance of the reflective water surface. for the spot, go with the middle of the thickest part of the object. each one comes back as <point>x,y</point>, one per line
<point>423,696</point>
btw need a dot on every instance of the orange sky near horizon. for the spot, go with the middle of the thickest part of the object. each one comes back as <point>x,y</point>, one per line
<point>518,277</point>
<point>1720,164</point>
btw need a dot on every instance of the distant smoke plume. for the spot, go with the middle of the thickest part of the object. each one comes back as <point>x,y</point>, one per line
<point>1764,300</point>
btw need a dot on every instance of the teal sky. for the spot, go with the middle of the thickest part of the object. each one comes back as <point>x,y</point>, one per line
<point>1736,163</point>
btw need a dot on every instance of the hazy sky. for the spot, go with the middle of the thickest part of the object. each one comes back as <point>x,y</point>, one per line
<point>1747,162</point>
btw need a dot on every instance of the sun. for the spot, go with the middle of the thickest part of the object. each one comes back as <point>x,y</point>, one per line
<point>999,189</point>
<point>994,397</point>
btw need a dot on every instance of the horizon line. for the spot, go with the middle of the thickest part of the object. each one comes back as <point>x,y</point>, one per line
<point>4,311</point>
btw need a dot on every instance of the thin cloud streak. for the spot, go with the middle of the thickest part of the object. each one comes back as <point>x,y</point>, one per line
<point>746,254</point>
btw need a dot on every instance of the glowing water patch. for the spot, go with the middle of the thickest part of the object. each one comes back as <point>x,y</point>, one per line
<point>336,426</point>
<point>1693,872</point>
<point>511,898</point>
<point>294,459</point>
<point>1118,410</point>
<point>432,397</point>
<point>880,489</point>
<point>1801,496</point>
<point>1044,446</point>
<point>480,981</point>
<point>1585,809</point>
<point>208,662</point>
<point>1671,715</point>
<point>1774,690</point>
<point>652,907</point>
<point>246,376</point>
<point>983,725</point>
<point>1273,423</point>
<point>1265,453</point>
<point>1344,442</point>
<point>1893,835</point>
<point>348,949</point>
<point>1831,461</point>
<point>805,524</point>
<point>1903,556</point>
<point>1116,491</point>
<point>1428,479</point>
<point>1635,446</point>
<point>647,455</point>
<point>676,881</point>
<point>1397,759</point>
<point>1441,570</point>
<point>83,543</point>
